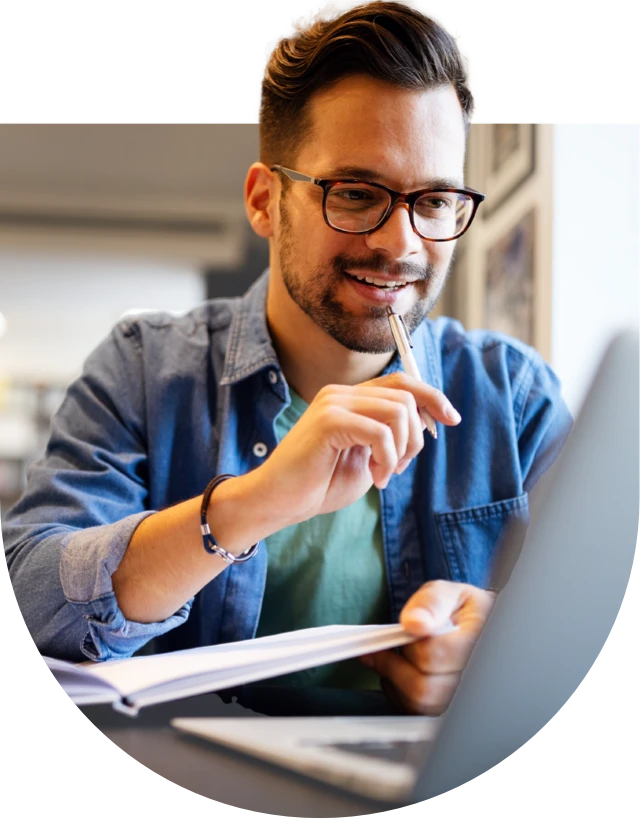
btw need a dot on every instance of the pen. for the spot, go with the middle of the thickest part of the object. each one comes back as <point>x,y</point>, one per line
<point>404,345</point>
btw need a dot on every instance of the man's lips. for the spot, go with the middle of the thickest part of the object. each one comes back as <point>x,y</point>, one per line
<point>378,294</point>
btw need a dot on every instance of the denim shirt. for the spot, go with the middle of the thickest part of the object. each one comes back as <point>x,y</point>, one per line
<point>166,403</point>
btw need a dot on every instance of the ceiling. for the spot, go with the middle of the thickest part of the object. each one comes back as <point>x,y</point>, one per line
<point>202,161</point>
<point>151,191</point>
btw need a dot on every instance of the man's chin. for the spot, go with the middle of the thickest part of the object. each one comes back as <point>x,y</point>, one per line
<point>368,333</point>
<point>364,334</point>
<point>366,347</point>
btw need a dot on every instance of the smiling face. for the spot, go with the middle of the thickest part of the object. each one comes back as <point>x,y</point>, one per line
<point>367,129</point>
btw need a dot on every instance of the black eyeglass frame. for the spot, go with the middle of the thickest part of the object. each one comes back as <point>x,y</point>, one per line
<point>396,197</point>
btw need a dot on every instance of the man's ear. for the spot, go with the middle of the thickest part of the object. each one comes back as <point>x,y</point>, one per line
<point>259,198</point>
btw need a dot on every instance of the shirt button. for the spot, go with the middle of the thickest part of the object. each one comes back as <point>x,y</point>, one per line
<point>260,449</point>
<point>273,376</point>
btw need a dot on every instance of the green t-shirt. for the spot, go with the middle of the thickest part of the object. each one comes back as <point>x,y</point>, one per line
<point>328,570</point>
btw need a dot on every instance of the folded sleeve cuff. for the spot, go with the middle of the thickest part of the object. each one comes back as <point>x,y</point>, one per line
<point>89,559</point>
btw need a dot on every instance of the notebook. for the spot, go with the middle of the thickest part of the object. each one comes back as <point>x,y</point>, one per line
<point>139,681</point>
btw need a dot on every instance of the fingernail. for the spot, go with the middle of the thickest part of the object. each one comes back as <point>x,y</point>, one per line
<point>452,414</point>
<point>402,465</point>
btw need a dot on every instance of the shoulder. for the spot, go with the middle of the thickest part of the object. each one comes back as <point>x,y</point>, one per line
<point>452,339</point>
<point>163,345</point>
<point>483,347</point>
<point>206,319</point>
<point>505,391</point>
<point>491,362</point>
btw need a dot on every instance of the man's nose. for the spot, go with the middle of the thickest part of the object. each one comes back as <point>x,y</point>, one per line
<point>396,236</point>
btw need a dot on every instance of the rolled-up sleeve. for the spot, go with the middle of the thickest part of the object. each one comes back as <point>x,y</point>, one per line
<point>67,534</point>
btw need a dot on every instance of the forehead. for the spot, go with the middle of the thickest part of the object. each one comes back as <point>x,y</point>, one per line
<point>405,137</point>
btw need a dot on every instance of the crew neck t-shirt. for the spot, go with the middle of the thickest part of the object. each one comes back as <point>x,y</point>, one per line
<point>328,570</point>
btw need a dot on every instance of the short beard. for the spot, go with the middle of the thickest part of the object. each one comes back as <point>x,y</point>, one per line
<point>369,334</point>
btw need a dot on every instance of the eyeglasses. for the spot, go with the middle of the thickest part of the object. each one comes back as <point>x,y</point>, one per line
<point>353,206</point>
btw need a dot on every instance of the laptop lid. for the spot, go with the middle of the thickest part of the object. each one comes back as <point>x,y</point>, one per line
<point>555,612</point>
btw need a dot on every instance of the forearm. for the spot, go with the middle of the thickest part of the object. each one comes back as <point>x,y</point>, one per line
<point>74,613</point>
<point>165,563</point>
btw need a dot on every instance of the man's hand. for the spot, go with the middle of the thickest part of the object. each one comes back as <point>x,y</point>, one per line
<point>423,677</point>
<point>350,438</point>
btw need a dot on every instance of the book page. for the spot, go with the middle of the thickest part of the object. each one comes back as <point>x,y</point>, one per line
<point>140,673</point>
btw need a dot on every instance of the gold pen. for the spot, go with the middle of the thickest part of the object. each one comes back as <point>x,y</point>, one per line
<point>404,345</point>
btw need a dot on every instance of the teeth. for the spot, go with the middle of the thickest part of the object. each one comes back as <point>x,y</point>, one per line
<point>378,282</point>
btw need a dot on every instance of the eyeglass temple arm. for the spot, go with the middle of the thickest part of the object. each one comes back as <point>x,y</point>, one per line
<point>294,175</point>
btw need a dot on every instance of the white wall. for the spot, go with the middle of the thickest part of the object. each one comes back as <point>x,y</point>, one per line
<point>58,308</point>
<point>596,257</point>
<point>63,287</point>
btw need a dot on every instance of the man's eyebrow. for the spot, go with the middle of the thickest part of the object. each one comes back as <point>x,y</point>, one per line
<point>368,175</point>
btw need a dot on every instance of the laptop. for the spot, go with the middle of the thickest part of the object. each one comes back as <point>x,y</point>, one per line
<point>562,588</point>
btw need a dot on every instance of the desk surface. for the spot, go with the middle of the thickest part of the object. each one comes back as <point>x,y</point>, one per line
<point>231,777</point>
<point>226,778</point>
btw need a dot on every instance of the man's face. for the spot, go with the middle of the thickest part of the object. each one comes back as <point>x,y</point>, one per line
<point>406,140</point>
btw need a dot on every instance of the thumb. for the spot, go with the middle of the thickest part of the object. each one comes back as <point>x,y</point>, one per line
<point>431,609</point>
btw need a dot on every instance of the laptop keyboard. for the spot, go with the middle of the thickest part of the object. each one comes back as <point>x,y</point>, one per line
<point>400,751</point>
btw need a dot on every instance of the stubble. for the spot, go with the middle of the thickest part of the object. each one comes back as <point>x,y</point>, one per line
<point>368,333</point>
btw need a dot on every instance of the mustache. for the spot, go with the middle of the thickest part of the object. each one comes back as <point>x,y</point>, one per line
<point>377,263</point>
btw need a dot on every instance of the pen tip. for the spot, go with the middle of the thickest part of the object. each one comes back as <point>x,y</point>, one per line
<point>389,310</point>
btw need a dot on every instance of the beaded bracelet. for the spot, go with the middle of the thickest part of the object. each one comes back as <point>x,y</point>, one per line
<point>208,540</point>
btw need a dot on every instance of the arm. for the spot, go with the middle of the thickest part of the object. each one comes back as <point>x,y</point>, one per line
<point>113,574</point>
<point>66,535</point>
<point>165,563</point>
<point>347,440</point>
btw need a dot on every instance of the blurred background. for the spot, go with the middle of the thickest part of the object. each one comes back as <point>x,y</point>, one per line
<point>97,221</point>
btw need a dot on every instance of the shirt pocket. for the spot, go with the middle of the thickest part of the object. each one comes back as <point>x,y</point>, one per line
<point>469,537</point>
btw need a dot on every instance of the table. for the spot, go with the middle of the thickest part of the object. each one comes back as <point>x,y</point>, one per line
<point>225,775</point>
<point>226,778</point>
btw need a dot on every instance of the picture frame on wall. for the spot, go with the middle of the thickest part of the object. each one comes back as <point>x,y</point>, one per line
<point>500,277</point>
<point>508,160</point>
<point>510,286</point>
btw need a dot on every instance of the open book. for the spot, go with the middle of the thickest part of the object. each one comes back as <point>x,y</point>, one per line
<point>130,684</point>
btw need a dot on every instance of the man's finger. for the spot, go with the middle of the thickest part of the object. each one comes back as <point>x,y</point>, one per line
<point>432,607</point>
<point>426,396</point>
<point>418,693</point>
<point>441,654</point>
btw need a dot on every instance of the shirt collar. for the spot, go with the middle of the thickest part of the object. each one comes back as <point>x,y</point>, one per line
<point>250,348</point>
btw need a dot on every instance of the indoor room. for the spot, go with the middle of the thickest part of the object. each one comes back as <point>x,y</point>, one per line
<point>128,225</point>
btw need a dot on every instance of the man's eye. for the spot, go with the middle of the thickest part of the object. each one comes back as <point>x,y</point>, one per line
<point>434,206</point>
<point>436,203</point>
<point>353,195</point>
<point>352,199</point>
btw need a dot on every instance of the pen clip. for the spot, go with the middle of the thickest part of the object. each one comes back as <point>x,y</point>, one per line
<point>405,330</point>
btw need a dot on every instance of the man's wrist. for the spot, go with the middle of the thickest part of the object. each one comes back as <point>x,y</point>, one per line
<point>241,513</point>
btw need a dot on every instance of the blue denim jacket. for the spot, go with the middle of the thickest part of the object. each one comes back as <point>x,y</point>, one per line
<point>166,403</point>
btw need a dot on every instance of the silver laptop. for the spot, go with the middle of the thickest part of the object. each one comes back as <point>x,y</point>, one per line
<point>562,591</point>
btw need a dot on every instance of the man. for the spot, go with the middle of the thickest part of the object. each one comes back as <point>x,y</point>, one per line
<point>297,392</point>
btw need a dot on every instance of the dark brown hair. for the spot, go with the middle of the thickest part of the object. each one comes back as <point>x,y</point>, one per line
<point>385,40</point>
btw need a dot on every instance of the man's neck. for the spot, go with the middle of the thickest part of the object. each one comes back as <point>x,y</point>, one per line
<point>311,359</point>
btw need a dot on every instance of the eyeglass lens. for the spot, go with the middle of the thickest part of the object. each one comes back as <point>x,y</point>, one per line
<point>359,207</point>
